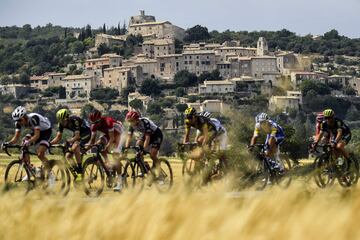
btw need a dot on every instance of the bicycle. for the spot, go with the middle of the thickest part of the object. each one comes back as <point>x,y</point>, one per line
<point>22,175</point>
<point>328,167</point>
<point>95,170</point>
<point>143,172</point>
<point>209,166</point>
<point>269,171</point>
<point>69,167</point>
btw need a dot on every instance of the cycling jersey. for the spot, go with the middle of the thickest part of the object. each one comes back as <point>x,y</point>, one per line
<point>35,121</point>
<point>106,125</point>
<point>200,122</point>
<point>272,129</point>
<point>145,126</point>
<point>220,129</point>
<point>333,128</point>
<point>74,124</point>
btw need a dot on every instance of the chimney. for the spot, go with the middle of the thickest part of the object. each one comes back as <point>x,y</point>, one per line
<point>142,12</point>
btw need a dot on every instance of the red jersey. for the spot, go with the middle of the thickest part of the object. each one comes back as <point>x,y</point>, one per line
<point>106,125</point>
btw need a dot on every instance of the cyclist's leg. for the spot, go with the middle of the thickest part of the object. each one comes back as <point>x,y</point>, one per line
<point>340,147</point>
<point>42,145</point>
<point>40,152</point>
<point>117,147</point>
<point>103,141</point>
<point>155,143</point>
<point>27,156</point>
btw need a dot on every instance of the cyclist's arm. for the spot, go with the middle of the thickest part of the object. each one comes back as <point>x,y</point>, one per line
<point>128,139</point>
<point>147,140</point>
<point>75,138</point>
<point>111,140</point>
<point>338,135</point>
<point>36,136</point>
<point>92,138</point>
<point>255,136</point>
<point>319,137</point>
<point>16,137</point>
<point>187,135</point>
<point>253,140</point>
<point>57,138</point>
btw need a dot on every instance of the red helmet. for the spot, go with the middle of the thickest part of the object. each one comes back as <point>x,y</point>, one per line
<point>320,117</point>
<point>132,115</point>
<point>95,116</point>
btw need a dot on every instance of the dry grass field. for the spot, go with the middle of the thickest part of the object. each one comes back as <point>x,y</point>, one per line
<point>212,212</point>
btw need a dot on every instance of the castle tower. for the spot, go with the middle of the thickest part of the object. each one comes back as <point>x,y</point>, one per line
<point>262,47</point>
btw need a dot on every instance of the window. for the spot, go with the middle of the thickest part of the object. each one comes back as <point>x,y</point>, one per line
<point>123,74</point>
<point>185,62</point>
<point>189,57</point>
<point>190,62</point>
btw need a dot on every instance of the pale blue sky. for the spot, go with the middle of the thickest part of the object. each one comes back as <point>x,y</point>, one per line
<point>302,17</point>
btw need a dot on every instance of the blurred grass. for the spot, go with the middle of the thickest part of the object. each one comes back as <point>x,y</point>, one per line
<point>212,212</point>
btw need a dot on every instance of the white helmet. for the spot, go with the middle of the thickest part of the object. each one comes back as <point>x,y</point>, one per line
<point>18,113</point>
<point>261,117</point>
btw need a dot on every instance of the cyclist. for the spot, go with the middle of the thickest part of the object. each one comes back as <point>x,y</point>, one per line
<point>209,130</point>
<point>81,135</point>
<point>150,135</point>
<point>274,137</point>
<point>340,133</point>
<point>111,139</point>
<point>40,135</point>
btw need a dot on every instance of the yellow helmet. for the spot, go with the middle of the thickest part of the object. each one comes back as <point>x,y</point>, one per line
<point>62,114</point>
<point>189,112</point>
<point>328,113</point>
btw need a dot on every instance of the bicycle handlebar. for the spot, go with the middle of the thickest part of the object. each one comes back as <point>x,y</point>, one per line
<point>138,149</point>
<point>6,147</point>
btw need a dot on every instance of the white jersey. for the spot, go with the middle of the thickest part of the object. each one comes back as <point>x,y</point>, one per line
<point>217,124</point>
<point>36,121</point>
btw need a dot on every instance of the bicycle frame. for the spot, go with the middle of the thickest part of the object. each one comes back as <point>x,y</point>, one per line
<point>24,151</point>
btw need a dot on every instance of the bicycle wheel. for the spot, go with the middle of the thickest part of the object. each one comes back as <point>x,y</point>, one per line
<point>137,175</point>
<point>17,177</point>
<point>127,175</point>
<point>93,177</point>
<point>164,180</point>
<point>57,180</point>
<point>349,173</point>
<point>283,178</point>
<point>261,177</point>
<point>324,174</point>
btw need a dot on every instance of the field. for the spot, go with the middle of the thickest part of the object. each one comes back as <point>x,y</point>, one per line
<point>213,212</point>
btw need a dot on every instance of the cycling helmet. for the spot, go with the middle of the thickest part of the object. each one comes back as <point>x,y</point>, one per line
<point>320,117</point>
<point>261,117</point>
<point>95,116</point>
<point>18,113</point>
<point>328,113</point>
<point>132,115</point>
<point>62,114</point>
<point>189,112</point>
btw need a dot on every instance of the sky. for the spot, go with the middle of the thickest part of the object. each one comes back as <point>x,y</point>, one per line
<point>303,17</point>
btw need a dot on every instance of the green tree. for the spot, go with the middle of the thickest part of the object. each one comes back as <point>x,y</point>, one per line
<point>136,104</point>
<point>318,87</point>
<point>77,47</point>
<point>155,109</point>
<point>103,49</point>
<point>184,78</point>
<point>196,34</point>
<point>104,94</point>
<point>86,110</point>
<point>150,87</point>
<point>181,107</point>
